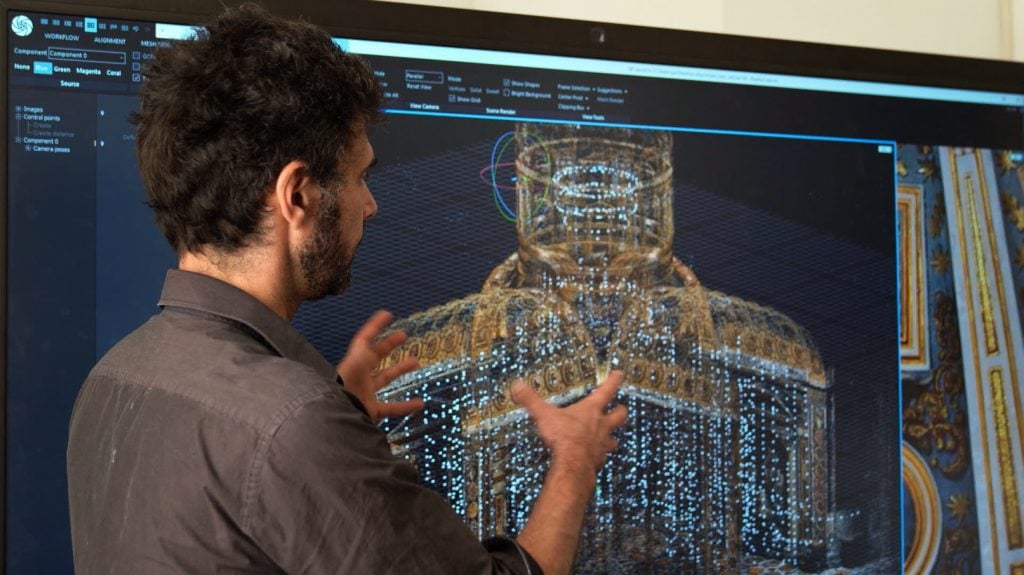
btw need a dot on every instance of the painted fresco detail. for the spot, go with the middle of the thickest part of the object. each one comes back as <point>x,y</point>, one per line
<point>964,415</point>
<point>935,418</point>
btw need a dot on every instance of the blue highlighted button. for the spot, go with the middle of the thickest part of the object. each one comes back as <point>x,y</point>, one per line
<point>90,25</point>
<point>44,68</point>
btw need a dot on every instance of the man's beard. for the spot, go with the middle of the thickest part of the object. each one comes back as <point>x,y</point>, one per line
<point>326,263</point>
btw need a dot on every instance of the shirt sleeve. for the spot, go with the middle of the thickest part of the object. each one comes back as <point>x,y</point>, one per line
<point>327,496</point>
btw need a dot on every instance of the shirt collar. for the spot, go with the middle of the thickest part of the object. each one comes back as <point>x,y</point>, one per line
<point>198,292</point>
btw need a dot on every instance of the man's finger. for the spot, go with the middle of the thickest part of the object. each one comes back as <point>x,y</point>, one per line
<point>399,408</point>
<point>616,417</point>
<point>610,444</point>
<point>605,393</point>
<point>385,346</point>
<point>524,395</point>
<point>373,326</point>
<point>392,373</point>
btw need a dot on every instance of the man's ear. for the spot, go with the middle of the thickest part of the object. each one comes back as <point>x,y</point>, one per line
<point>294,194</point>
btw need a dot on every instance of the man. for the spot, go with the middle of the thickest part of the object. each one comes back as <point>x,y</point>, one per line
<point>215,438</point>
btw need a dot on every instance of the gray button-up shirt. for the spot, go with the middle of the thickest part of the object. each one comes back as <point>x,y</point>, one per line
<point>216,439</point>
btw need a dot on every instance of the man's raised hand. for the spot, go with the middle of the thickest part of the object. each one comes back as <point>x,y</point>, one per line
<point>358,369</point>
<point>579,435</point>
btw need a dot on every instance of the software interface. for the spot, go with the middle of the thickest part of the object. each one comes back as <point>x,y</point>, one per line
<point>792,272</point>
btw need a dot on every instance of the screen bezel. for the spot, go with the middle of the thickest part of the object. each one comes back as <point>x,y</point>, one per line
<point>389,21</point>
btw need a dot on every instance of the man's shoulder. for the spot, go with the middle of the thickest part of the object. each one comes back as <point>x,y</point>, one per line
<point>215,364</point>
<point>186,412</point>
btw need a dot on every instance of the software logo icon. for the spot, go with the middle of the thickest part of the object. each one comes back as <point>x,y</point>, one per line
<point>21,25</point>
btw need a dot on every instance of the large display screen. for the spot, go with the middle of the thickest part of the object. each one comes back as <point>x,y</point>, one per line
<point>812,284</point>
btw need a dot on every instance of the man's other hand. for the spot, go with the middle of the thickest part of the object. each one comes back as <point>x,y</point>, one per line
<point>358,369</point>
<point>579,435</point>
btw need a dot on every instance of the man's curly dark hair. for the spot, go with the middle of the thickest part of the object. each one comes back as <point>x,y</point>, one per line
<point>221,115</point>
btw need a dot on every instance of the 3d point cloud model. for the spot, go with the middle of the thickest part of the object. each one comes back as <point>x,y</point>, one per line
<point>727,453</point>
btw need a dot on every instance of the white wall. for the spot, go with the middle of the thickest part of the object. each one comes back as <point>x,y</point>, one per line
<point>977,28</point>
